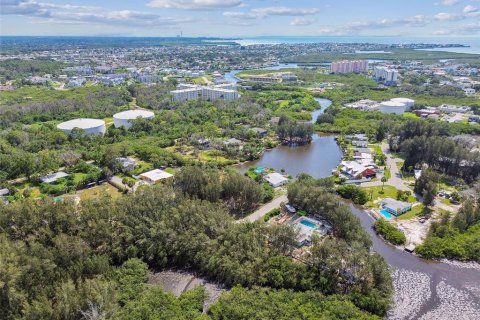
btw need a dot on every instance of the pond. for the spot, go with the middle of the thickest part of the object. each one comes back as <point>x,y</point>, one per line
<point>317,158</point>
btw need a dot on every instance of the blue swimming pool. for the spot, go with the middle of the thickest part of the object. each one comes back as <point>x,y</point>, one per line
<point>259,170</point>
<point>386,214</point>
<point>308,223</point>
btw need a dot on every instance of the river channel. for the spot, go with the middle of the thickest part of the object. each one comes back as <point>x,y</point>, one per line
<point>423,289</point>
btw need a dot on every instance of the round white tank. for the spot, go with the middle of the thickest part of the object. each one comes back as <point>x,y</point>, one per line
<point>409,103</point>
<point>89,126</point>
<point>392,107</point>
<point>124,119</point>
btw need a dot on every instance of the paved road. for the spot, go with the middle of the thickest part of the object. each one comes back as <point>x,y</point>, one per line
<point>275,203</point>
<point>395,178</point>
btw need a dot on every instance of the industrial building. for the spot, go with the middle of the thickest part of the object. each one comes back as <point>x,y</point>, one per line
<point>409,103</point>
<point>186,92</point>
<point>89,126</point>
<point>392,107</point>
<point>124,119</point>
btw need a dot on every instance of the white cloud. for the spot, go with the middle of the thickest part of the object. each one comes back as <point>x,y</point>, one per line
<point>301,22</point>
<point>442,32</point>
<point>470,29</point>
<point>194,4</point>
<point>444,16</point>
<point>469,9</point>
<point>449,2</point>
<point>67,13</point>
<point>259,13</point>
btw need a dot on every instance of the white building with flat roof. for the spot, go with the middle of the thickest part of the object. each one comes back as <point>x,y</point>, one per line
<point>385,75</point>
<point>275,179</point>
<point>155,175</point>
<point>186,92</point>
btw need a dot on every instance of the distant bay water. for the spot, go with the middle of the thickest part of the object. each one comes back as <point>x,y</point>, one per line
<point>472,42</point>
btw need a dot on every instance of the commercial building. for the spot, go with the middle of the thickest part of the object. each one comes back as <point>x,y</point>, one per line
<point>349,66</point>
<point>364,105</point>
<point>124,119</point>
<point>89,126</point>
<point>386,75</point>
<point>448,108</point>
<point>186,92</point>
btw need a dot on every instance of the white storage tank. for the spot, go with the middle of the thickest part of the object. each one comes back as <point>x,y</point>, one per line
<point>124,119</point>
<point>89,126</point>
<point>409,103</point>
<point>392,107</point>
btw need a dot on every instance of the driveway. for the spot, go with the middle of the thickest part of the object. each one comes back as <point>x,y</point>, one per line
<point>263,210</point>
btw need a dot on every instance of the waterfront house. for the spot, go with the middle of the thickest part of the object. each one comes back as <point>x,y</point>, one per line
<point>395,207</point>
<point>275,179</point>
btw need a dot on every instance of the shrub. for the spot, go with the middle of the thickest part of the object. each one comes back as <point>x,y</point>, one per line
<point>272,213</point>
<point>389,232</point>
<point>356,194</point>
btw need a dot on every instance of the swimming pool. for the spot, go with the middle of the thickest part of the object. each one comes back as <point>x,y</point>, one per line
<point>308,223</point>
<point>386,214</point>
<point>259,170</point>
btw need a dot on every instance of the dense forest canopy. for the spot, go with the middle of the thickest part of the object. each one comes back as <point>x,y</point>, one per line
<point>53,249</point>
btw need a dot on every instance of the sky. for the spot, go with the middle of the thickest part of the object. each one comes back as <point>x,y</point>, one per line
<point>237,18</point>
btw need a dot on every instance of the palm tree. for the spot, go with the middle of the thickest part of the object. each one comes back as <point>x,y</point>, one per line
<point>384,179</point>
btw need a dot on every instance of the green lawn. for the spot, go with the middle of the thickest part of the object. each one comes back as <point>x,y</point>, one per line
<point>100,191</point>
<point>376,148</point>
<point>446,201</point>
<point>388,192</point>
<point>416,211</point>
<point>213,156</point>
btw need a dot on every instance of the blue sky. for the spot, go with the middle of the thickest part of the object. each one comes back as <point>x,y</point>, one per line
<point>241,17</point>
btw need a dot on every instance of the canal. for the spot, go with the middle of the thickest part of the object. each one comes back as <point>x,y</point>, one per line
<point>423,289</point>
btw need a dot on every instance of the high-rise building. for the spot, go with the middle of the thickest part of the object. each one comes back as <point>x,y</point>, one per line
<point>349,66</point>
<point>385,75</point>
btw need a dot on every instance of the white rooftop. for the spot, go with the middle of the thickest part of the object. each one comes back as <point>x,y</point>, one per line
<point>52,177</point>
<point>82,123</point>
<point>275,178</point>
<point>156,175</point>
<point>134,114</point>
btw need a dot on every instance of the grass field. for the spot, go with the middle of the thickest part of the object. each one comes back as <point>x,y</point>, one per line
<point>100,191</point>
<point>416,211</point>
<point>375,193</point>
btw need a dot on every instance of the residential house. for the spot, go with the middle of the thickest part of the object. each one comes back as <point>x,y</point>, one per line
<point>53,177</point>
<point>155,175</point>
<point>275,179</point>
<point>396,207</point>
